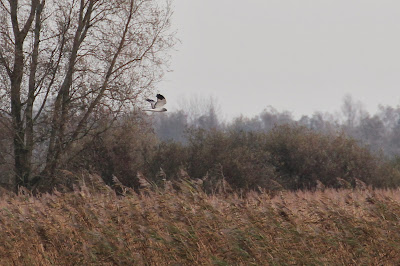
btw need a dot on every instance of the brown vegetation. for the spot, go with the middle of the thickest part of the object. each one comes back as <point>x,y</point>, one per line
<point>293,156</point>
<point>183,225</point>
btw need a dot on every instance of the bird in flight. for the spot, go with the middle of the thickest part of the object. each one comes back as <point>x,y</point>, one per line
<point>157,106</point>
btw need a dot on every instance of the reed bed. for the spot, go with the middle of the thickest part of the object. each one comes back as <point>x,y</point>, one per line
<point>179,224</point>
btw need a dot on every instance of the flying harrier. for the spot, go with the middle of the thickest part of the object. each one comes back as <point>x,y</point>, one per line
<point>157,106</point>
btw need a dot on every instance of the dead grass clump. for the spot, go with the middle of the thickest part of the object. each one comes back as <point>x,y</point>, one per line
<point>181,224</point>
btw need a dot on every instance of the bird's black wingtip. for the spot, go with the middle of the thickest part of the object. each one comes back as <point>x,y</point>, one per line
<point>159,96</point>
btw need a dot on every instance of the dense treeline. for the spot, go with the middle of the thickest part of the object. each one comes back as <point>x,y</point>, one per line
<point>287,157</point>
<point>272,151</point>
<point>380,132</point>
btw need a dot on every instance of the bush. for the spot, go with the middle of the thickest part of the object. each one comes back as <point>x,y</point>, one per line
<point>302,156</point>
<point>293,156</point>
<point>120,151</point>
<point>287,157</point>
<point>215,155</point>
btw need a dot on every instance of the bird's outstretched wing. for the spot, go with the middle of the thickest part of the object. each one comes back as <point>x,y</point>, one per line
<point>152,102</point>
<point>161,101</point>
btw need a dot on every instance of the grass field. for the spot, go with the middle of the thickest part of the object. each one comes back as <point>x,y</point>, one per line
<point>181,225</point>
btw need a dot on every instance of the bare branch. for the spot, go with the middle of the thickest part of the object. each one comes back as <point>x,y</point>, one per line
<point>107,77</point>
<point>4,7</point>
<point>29,21</point>
<point>3,61</point>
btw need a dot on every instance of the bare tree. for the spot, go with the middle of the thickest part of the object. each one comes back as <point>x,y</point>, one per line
<point>66,63</point>
<point>353,112</point>
<point>201,111</point>
<point>271,118</point>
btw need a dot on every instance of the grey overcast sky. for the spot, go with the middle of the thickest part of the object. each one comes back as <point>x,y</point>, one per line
<point>296,55</point>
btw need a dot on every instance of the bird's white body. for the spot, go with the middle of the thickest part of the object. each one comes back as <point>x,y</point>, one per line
<point>157,106</point>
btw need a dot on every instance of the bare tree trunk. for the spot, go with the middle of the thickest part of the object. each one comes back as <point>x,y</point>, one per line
<point>19,134</point>
<point>31,93</point>
<point>20,150</point>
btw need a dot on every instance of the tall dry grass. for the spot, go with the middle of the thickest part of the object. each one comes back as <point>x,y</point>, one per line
<point>181,225</point>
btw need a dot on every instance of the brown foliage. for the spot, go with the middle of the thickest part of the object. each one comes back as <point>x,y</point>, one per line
<point>303,156</point>
<point>286,158</point>
<point>291,156</point>
<point>121,151</point>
